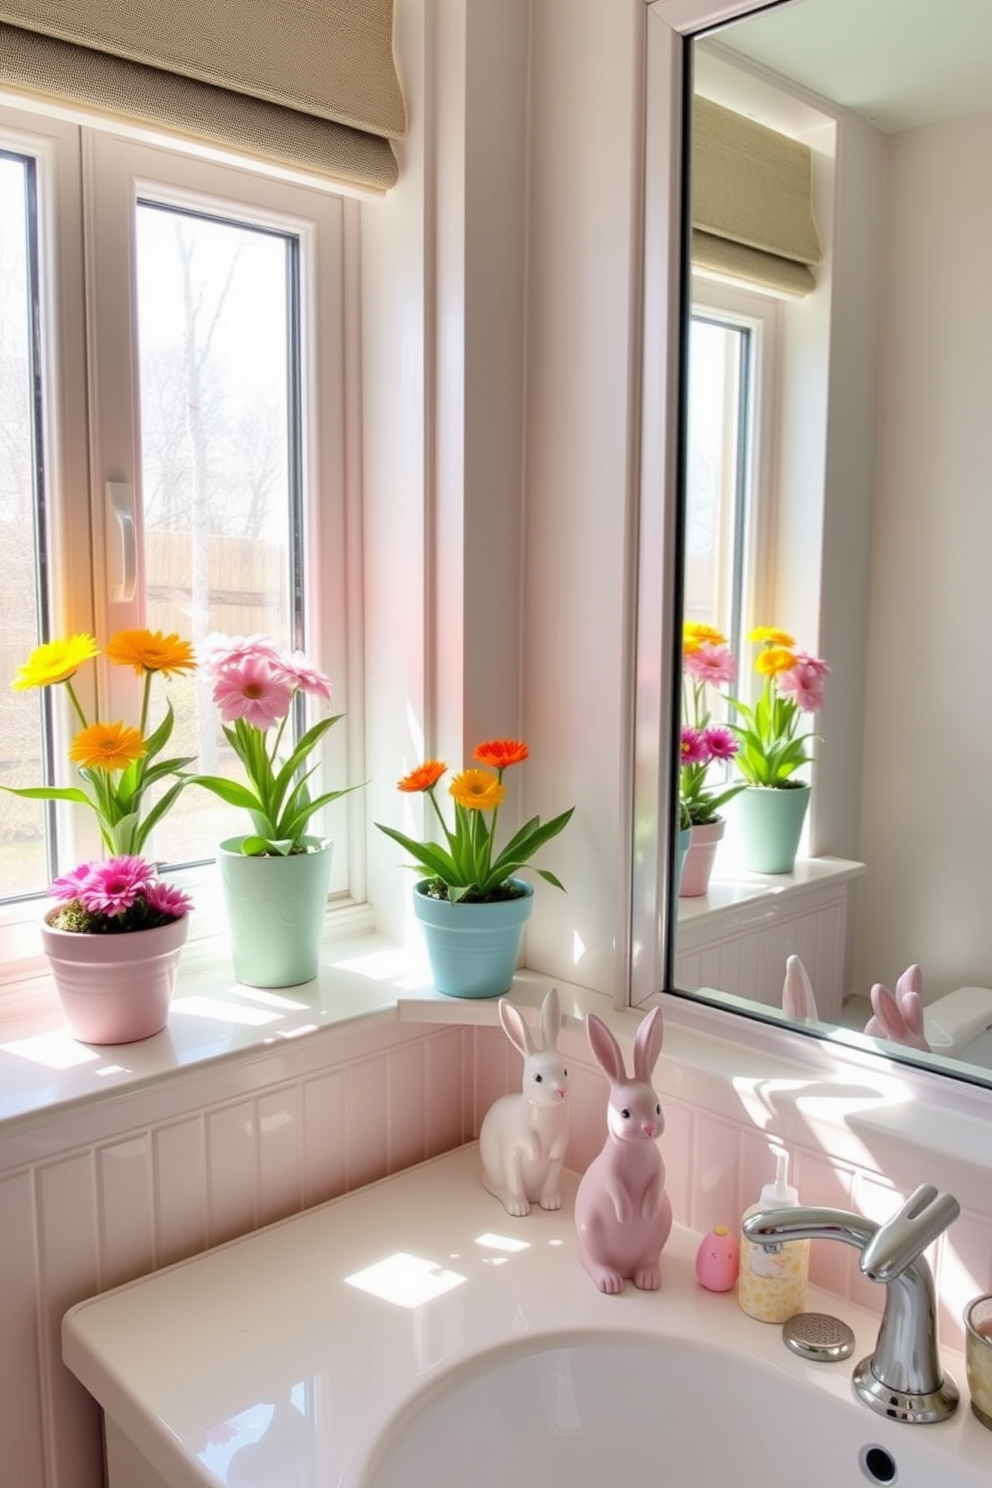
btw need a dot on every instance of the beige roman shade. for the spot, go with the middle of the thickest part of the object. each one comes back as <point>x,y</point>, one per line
<point>752,210</point>
<point>305,83</point>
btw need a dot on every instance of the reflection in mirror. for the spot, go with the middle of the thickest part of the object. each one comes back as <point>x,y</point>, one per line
<point>835,491</point>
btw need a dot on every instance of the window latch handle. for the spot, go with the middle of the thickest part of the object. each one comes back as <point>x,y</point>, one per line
<point>120,500</point>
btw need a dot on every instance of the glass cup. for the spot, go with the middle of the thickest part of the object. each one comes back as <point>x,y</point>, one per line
<point>978,1357</point>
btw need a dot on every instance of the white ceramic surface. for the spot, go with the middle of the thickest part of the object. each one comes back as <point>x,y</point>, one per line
<point>485,1355</point>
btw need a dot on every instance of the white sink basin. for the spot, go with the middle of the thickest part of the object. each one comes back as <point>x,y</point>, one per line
<point>412,1335</point>
<point>639,1412</point>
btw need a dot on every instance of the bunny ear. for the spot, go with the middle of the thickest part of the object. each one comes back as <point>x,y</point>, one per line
<point>647,1045</point>
<point>550,1019</point>
<point>606,1049</point>
<point>515,1028</point>
<point>798,1001</point>
<point>910,981</point>
<point>886,1012</point>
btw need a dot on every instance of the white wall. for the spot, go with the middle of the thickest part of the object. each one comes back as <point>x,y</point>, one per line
<point>926,811</point>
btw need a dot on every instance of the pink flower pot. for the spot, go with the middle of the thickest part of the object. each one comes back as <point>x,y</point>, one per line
<point>115,989</point>
<point>699,859</point>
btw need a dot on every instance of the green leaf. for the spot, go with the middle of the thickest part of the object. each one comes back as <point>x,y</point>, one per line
<point>551,879</point>
<point>228,790</point>
<point>530,837</point>
<point>50,793</point>
<point>157,740</point>
<point>428,855</point>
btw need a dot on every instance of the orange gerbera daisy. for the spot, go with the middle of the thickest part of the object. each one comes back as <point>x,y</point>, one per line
<point>499,753</point>
<point>151,651</point>
<point>107,746</point>
<point>423,777</point>
<point>477,790</point>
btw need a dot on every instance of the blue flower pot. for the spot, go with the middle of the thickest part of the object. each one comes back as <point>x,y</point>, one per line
<point>770,820</point>
<point>473,949</point>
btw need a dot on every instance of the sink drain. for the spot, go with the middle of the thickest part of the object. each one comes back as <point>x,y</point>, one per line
<point>878,1465</point>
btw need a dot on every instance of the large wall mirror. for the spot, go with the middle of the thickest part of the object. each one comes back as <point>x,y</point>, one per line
<point>834,485</point>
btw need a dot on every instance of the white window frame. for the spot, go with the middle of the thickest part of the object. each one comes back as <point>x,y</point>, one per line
<point>88,182</point>
<point>762,315</point>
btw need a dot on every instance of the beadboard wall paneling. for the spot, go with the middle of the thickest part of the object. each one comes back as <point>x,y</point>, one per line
<point>102,1196</point>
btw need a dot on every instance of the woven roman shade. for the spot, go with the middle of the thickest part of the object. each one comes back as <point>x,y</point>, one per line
<point>305,83</point>
<point>752,210</point>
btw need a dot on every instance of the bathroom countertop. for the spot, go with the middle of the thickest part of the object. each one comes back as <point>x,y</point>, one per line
<point>267,1356</point>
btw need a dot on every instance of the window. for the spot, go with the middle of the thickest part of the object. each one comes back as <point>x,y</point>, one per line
<point>173,361</point>
<point>730,411</point>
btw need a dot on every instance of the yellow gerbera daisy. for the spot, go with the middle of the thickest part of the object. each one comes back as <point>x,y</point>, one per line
<point>773,660</point>
<point>477,790</point>
<point>768,635</point>
<point>55,661</point>
<point>696,633</point>
<point>107,746</point>
<point>151,651</point>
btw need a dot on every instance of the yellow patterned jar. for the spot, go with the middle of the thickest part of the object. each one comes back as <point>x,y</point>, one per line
<point>772,1283</point>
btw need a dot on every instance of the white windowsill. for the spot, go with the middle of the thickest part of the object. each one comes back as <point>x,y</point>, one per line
<point>213,1018</point>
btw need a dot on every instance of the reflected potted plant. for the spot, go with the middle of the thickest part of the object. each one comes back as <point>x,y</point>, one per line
<point>113,941</point>
<point>472,903</point>
<point>276,877</point>
<point>773,807</point>
<point>707,664</point>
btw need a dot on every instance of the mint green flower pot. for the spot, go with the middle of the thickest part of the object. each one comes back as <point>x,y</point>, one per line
<point>473,949</point>
<point>770,820</point>
<point>275,912</point>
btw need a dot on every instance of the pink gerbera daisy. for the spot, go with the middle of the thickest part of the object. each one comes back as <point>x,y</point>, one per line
<point>711,662</point>
<point>255,689</point>
<point>305,676</point>
<point>221,651</point>
<point>113,886</point>
<point>70,884</point>
<point>804,684</point>
<point>721,743</point>
<point>693,747</point>
<point>167,900</point>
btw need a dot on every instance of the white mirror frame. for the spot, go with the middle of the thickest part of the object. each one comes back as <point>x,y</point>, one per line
<point>657,643</point>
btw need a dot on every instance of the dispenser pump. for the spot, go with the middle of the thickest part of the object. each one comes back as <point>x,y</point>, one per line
<point>780,1194</point>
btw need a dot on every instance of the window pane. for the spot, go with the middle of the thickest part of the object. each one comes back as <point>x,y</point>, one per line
<point>220,435</point>
<point>716,483</point>
<point>23,856</point>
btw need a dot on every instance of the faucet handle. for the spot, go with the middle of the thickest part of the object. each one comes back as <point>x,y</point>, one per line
<point>903,1238</point>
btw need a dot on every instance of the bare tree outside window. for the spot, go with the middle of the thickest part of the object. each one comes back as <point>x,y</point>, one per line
<point>215,341</point>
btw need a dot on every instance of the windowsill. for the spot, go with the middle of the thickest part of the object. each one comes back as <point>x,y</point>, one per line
<point>214,1019</point>
<point>734,889</point>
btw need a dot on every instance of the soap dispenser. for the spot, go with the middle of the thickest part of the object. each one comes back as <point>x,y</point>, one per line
<point>772,1284</point>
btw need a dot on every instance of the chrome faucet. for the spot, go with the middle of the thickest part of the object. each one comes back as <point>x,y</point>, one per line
<point>903,1378</point>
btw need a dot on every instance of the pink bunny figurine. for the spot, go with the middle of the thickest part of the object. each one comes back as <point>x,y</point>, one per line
<point>523,1137</point>
<point>623,1215</point>
<point>798,1002</point>
<point>899,1018</point>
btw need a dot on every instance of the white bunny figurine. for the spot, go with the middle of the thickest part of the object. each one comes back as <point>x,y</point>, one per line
<point>523,1138</point>
<point>623,1215</point>
<point>899,1018</point>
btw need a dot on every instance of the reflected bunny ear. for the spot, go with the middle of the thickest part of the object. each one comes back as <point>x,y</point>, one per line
<point>910,981</point>
<point>798,1001</point>
<point>886,1023</point>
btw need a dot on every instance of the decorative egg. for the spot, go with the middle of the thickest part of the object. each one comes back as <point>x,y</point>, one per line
<point>718,1260</point>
